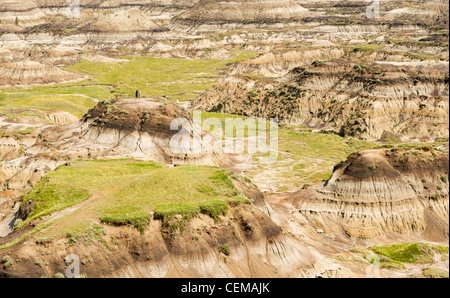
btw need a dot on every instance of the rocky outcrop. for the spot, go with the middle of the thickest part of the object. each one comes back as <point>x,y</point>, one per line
<point>31,72</point>
<point>118,26</point>
<point>382,192</point>
<point>257,248</point>
<point>143,129</point>
<point>356,99</point>
<point>210,14</point>
<point>125,128</point>
<point>279,65</point>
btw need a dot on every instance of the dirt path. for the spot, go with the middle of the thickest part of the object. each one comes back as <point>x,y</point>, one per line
<point>80,95</point>
<point>98,195</point>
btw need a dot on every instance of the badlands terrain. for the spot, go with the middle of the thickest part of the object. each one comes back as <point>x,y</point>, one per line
<point>360,92</point>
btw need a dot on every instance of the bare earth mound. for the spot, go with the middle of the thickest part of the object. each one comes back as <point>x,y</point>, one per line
<point>31,72</point>
<point>130,128</point>
<point>353,99</point>
<point>383,191</point>
<point>214,12</point>
<point>132,20</point>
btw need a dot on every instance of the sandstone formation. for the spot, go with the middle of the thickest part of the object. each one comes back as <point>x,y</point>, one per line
<point>319,66</point>
<point>117,26</point>
<point>31,72</point>
<point>142,129</point>
<point>126,128</point>
<point>258,249</point>
<point>382,192</point>
<point>356,99</point>
<point>214,13</point>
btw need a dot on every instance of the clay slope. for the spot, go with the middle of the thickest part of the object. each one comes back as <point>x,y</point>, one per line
<point>126,128</point>
<point>357,99</point>
<point>129,128</point>
<point>214,12</point>
<point>257,248</point>
<point>23,9</point>
<point>132,20</point>
<point>31,72</point>
<point>383,192</point>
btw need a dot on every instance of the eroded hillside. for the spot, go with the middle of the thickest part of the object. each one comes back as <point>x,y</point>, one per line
<point>361,97</point>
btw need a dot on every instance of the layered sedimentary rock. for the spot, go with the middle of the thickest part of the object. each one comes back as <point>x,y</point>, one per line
<point>213,13</point>
<point>258,248</point>
<point>30,72</point>
<point>90,21</point>
<point>380,192</point>
<point>278,65</point>
<point>19,11</point>
<point>356,99</point>
<point>143,129</point>
<point>9,148</point>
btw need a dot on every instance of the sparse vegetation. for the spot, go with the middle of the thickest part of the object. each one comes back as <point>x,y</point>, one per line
<point>366,81</point>
<point>214,209</point>
<point>435,273</point>
<point>374,166</point>
<point>406,252</point>
<point>225,249</point>
<point>127,215</point>
<point>7,261</point>
<point>131,192</point>
<point>91,234</point>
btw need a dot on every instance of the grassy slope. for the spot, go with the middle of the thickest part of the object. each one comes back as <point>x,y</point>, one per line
<point>128,194</point>
<point>179,79</point>
<point>303,157</point>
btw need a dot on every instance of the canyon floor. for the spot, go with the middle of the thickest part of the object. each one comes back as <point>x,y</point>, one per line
<point>352,99</point>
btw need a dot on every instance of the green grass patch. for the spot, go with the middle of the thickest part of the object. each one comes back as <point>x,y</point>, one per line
<point>47,99</point>
<point>130,192</point>
<point>91,234</point>
<point>225,249</point>
<point>366,48</point>
<point>126,215</point>
<point>70,185</point>
<point>47,198</point>
<point>441,249</point>
<point>7,261</point>
<point>166,211</point>
<point>406,252</point>
<point>435,273</point>
<point>179,79</point>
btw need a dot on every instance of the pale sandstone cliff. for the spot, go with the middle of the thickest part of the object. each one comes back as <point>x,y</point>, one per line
<point>382,192</point>
<point>30,72</point>
<point>358,99</point>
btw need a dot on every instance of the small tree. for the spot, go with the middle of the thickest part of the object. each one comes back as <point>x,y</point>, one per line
<point>17,21</point>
